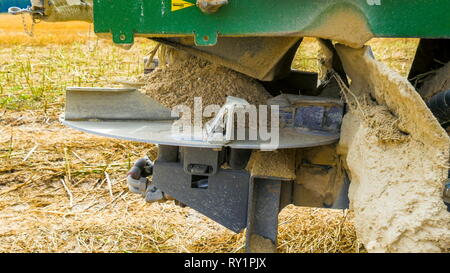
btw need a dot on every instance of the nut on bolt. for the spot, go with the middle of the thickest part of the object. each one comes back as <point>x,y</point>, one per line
<point>211,6</point>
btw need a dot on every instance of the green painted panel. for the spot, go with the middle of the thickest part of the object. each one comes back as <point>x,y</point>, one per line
<point>322,18</point>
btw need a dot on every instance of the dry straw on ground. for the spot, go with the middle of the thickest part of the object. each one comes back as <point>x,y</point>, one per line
<point>89,212</point>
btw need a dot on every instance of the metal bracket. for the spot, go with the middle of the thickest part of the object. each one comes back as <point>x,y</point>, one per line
<point>202,161</point>
<point>267,197</point>
<point>221,196</point>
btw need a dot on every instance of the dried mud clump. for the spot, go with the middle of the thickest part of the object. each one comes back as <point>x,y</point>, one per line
<point>384,124</point>
<point>280,163</point>
<point>182,77</point>
<point>396,181</point>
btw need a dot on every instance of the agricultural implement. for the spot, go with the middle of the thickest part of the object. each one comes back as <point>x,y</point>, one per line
<point>260,39</point>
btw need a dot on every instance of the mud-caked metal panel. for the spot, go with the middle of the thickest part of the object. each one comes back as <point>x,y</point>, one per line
<point>263,58</point>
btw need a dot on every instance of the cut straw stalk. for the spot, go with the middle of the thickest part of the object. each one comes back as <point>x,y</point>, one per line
<point>113,200</point>
<point>67,163</point>
<point>30,152</point>
<point>69,193</point>
<point>81,159</point>
<point>109,185</point>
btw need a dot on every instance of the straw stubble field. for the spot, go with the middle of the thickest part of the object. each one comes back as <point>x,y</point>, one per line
<point>65,191</point>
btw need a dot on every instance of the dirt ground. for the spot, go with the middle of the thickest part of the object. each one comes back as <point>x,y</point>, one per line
<point>65,191</point>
